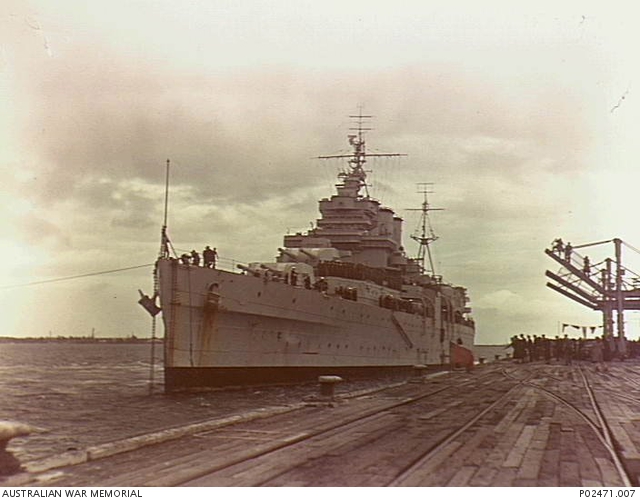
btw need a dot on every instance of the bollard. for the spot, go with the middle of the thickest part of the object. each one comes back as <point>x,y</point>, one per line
<point>418,374</point>
<point>327,386</point>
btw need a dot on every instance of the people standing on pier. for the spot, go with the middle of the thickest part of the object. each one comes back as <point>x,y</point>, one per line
<point>537,348</point>
<point>586,266</point>
<point>523,348</point>
<point>569,349</point>
<point>546,349</point>
<point>597,354</point>
<point>518,344</point>
<point>185,258</point>
<point>580,344</point>
<point>557,349</point>
<point>529,345</point>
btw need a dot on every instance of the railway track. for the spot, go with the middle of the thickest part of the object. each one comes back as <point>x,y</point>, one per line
<point>300,467</point>
<point>210,456</point>
<point>419,471</point>
<point>600,427</point>
<point>453,430</point>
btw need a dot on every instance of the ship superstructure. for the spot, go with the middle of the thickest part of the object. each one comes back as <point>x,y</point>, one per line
<point>342,298</point>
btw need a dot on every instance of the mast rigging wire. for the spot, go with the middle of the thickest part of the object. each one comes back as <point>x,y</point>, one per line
<point>73,277</point>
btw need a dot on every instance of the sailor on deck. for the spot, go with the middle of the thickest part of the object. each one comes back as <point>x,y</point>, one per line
<point>195,258</point>
<point>209,256</point>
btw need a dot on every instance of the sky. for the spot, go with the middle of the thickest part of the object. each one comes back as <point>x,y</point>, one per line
<point>524,117</point>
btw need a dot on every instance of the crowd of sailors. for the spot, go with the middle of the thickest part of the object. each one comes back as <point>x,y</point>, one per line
<point>567,350</point>
<point>290,277</point>
<point>333,268</point>
<point>209,258</point>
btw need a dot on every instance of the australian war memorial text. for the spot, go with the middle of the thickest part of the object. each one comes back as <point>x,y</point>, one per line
<point>70,493</point>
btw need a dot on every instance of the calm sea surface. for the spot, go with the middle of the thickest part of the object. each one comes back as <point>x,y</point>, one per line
<point>84,394</point>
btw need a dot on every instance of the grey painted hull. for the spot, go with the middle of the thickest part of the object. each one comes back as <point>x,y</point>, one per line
<point>225,329</point>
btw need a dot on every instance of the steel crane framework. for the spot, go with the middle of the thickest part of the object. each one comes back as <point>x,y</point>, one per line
<point>604,286</point>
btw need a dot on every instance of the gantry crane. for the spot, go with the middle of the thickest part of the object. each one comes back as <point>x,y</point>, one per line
<point>604,286</point>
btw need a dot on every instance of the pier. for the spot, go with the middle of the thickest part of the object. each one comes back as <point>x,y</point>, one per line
<point>503,424</point>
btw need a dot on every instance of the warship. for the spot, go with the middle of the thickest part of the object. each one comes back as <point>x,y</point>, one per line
<point>342,298</point>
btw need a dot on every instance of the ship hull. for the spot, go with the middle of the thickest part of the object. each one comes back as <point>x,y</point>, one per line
<point>227,329</point>
<point>177,378</point>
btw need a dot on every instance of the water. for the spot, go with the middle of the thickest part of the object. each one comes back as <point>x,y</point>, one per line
<point>84,394</point>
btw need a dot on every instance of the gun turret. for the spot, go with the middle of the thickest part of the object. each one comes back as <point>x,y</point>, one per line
<point>289,254</point>
<point>308,254</point>
<point>270,268</point>
<point>248,269</point>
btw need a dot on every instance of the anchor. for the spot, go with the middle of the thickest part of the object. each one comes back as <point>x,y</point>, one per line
<point>149,304</point>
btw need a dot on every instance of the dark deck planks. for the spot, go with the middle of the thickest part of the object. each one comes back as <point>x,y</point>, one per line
<point>532,439</point>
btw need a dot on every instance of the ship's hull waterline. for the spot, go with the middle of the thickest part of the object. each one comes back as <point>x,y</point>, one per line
<point>227,329</point>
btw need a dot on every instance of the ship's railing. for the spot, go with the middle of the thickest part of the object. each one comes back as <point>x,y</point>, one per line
<point>222,262</point>
<point>229,264</point>
<point>356,271</point>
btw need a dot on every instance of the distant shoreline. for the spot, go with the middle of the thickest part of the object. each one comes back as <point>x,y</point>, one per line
<point>88,340</point>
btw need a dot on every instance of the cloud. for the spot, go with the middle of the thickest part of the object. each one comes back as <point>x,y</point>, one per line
<point>254,131</point>
<point>507,132</point>
<point>35,229</point>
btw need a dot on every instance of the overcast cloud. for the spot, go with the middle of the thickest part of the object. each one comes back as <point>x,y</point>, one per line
<point>525,121</point>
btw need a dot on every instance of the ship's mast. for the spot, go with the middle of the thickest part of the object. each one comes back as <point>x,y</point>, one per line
<point>164,240</point>
<point>359,156</point>
<point>162,254</point>
<point>357,161</point>
<point>424,233</point>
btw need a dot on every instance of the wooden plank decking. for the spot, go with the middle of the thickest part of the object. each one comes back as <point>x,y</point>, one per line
<point>541,431</point>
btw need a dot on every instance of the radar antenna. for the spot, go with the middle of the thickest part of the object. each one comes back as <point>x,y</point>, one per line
<point>358,157</point>
<point>424,233</point>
